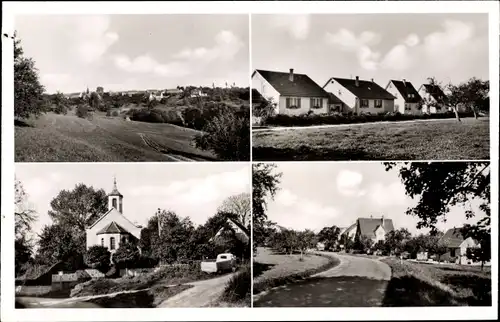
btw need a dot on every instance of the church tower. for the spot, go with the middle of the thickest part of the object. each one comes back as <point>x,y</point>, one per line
<point>115,199</point>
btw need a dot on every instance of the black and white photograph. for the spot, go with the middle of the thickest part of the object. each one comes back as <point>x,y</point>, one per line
<point>370,87</point>
<point>132,236</point>
<point>125,88</point>
<point>394,234</point>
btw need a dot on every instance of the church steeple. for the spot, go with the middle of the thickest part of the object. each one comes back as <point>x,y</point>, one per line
<point>115,198</point>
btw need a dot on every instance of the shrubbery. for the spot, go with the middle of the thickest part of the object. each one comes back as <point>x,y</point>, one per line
<point>322,119</point>
<point>98,257</point>
<point>82,111</point>
<point>155,116</point>
<point>238,287</point>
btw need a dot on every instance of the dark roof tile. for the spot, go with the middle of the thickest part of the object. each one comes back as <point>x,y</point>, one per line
<point>405,89</point>
<point>365,89</point>
<point>112,228</point>
<point>302,85</point>
<point>367,226</point>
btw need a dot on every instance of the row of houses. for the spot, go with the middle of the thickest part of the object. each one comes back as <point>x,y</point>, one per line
<point>377,228</point>
<point>296,94</point>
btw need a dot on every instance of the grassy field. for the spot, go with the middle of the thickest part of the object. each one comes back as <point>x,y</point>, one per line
<point>67,138</point>
<point>418,284</point>
<point>271,270</point>
<point>422,140</point>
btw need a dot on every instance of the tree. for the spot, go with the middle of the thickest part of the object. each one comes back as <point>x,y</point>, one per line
<point>28,91</point>
<point>305,241</point>
<point>471,94</point>
<point>238,204</point>
<point>227,135</point>
<point>98,257</point>
<point>329,236</point>
<point>437,186</point>
<point>363,243</point>
<point>60,103</point>
<point>482,234</point>
<point>440,100</point>
<point>59,243</point>
<point>79,207</point>
<point>126,256</point>
<point>395,241</point>
<point>265,184</point>
<point>24,216</point>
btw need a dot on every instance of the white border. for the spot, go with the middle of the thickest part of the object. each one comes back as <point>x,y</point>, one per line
<point>10,9</point>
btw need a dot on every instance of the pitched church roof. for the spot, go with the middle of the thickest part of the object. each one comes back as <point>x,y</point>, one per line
<point>112,228</point>
<point>368,226</point>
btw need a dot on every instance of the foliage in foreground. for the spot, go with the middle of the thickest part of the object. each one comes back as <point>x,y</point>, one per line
<point>238,288</point>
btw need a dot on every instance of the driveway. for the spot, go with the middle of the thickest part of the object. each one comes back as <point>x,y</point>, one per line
<point>200,295</point>
<point>355,282</point>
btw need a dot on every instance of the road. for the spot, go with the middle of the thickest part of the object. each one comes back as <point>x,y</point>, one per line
<point>327,126</point>
<point>355,282</point>
<point>200,295</point>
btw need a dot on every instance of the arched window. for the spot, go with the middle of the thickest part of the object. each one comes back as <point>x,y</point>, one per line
<point>124,239</point>
<point>102,241</point>
<point>112,243</point>
<point>114,203</point>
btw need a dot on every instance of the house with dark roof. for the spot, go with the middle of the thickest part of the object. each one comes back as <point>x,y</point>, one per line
<point>457,246</point>
<point>407,99</point>
<point>112,228</point>
<point>360,96</point>
<point>434,99</point>
<point>373,228</point>
<point>241,232</point>
<point>292,94</point>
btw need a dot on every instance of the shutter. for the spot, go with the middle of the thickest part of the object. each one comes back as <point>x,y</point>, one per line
<point>321,102</point>
<point>288,102</point>
<point>298,102</point>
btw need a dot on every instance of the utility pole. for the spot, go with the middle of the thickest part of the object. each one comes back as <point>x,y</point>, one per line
<point>159,225</point>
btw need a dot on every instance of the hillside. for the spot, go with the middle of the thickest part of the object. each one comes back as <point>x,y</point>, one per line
<point>66,138</point>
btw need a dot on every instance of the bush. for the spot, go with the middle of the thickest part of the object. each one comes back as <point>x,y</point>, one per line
<point>61,109</point>
<point>115,113</point>
<point>228,136</point>
<point>322,119</point>
<point>98,257</point>
<point>82,111</point>
<point>238,287</point>
<point>108,113</point>
<point>126,256</point>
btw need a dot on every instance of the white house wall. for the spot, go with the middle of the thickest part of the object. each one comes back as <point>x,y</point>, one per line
<point>305,106</point>
<point>387,106</point>
<point>265,89</point>
<point>343,94</point>
<point>379,234</point>
<point>113,215</point>
<point>431,107</point>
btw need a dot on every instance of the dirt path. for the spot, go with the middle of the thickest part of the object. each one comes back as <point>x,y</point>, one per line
<point>171,156</point>
<point>355,282</point>
<point>200,295</point>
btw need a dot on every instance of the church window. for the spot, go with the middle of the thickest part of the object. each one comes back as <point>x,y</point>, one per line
<point>114,203</point>
<point>112,243</point>
<point>102,241</point>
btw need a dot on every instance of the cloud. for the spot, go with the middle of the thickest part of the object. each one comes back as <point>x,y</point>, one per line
<point>360,45</point>
<point>412,40</point>
<point>398,58</point>
<point>390,195</point>
<point>92,37</point>
<point>185,62</point>
<point>348,183</point>
<point>55,80</point>
<point>300,213</point>
<point>298,26</point>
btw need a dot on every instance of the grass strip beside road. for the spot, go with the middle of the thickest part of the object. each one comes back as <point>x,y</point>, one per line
<point>270,283</point>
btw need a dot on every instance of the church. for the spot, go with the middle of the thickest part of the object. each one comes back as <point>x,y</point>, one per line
<point>112,228</point>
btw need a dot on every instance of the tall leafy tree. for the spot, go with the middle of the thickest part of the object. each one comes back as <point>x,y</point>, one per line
<point>126,256</point>
<point>79,207</point>
<point>238,204</point>
<point>24,217</point>
<point>329,236</point>
<point>395,241</point>
<point>60,243</point>
<point>265,184</point>
<point>28,90</point>
<point>98,257</point>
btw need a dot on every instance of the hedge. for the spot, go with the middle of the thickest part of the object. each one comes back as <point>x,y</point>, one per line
<point>323,119</point>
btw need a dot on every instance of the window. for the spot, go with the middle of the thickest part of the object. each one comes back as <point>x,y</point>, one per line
<point>378,103</point>
<point>124,239</point>
<point>316,102</point>
<point>407,107</point>
<point>293,102</point>
<point>112,243</point>
<point>102,242</point>
<point>364,103</point>
<point>452,252</point>
<point>114,203</point>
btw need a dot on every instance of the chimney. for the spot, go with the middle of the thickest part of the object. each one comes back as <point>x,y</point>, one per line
<point>383,226</point>
<point>291,75</point>
<point>404,81</point>
<point>373,81</point>
<point>357,81</point>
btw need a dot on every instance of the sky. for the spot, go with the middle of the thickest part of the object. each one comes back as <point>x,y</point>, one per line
<point>189,189</point>
<point>317,195</point>
<point>450,47</point>
<point>126,52</point>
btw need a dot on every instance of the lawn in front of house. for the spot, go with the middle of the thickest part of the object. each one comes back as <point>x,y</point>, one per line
<point>420,140</point>
<point>419,284</point>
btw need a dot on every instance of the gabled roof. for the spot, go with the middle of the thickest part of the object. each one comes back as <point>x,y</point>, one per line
<point>436,92</point>
<point>332,99</point>
<point>113,228</point>
<point>106,213</point>
<point>452,238</point>
<point>302,85</point>
<point>368,226</point>
<point>364,90</point>
<point>245,235</point>
<point>349,229</point>
<point>405,89</point>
